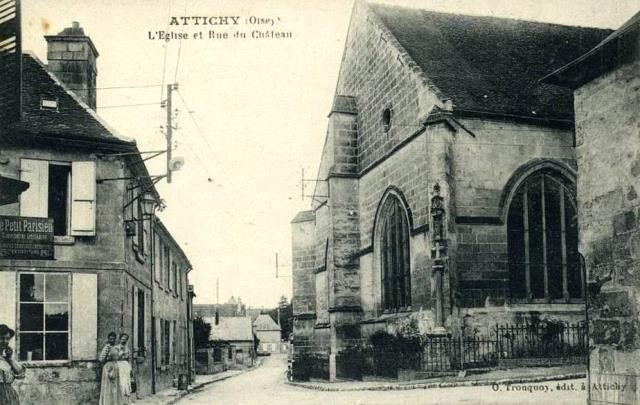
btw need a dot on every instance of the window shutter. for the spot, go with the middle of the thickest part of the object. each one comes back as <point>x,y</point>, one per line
<point>171,337</point>
<point>84,317</point>
<point>159,342</point>
<point>8,308</point>
<point>34,201</point>
<point>157,257</point>
<point>83,196</point>
<point>134,338</point>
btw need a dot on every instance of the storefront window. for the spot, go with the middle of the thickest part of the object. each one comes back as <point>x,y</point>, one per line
<point>43,332</point>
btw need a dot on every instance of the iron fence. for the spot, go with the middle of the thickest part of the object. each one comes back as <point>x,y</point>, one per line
<point>389,354</point>
<point>542,340</point>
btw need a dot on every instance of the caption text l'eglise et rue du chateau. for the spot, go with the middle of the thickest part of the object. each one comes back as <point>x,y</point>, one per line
<point>221,28</point>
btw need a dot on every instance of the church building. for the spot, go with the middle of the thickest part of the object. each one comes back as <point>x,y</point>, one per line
<point>446,192</point>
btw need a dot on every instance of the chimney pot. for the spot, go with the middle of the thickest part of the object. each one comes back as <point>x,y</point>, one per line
<point>75,24</point>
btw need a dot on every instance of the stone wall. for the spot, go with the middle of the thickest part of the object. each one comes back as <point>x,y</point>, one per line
<point>487,157</point>
<point>607,122</point>
<point>380,75</point>
<point>170,304</point>
<point>303,263</point>
<point>106,245</point>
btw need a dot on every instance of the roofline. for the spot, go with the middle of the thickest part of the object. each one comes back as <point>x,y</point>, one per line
<point>555,76</point>
<point>81,103</point>
<point>117,137</point>
<point>164,229</point>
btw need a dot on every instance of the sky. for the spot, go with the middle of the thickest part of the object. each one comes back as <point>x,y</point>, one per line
<point>252,112</point>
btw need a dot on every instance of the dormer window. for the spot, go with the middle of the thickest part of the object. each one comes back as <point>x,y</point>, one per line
<point>50,104</point>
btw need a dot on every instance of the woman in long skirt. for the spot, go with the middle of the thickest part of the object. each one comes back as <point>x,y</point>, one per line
<point>9,368</point>
<point>124,367</point>
<point>110,390</point>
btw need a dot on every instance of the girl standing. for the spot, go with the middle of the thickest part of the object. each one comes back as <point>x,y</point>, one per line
<point>124,367</point>
<point>9,368</point>
<point>110,390</point>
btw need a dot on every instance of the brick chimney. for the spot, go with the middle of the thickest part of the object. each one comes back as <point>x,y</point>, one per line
<point>72,59</point>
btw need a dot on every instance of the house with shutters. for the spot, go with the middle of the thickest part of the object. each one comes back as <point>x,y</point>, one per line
<point>445,204</point>
<point>171,316</point>
<point>268,333</point>
<point>91,267</point>
<point>231,338</point>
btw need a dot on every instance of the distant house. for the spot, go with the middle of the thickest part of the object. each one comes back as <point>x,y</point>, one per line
<point>232,341</point>
<point>268,333</point>
<point>233,307</point>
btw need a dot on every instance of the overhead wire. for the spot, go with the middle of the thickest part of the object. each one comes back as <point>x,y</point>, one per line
<point>141,86</point>
<point>175,74</point>
<point>166,47</point>
<point>200,131</point>
<point>127,105</point>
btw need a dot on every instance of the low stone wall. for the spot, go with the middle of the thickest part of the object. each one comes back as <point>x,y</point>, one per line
<point>482,321</point>
<point>75,383</point>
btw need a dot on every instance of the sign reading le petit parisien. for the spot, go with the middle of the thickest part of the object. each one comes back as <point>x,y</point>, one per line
<point>26,238</point>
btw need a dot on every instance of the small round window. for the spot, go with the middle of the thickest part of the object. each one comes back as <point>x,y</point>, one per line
<point>386,119</point>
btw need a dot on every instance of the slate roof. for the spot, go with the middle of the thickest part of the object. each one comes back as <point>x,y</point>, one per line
<point>265,323</point>
<point>490,64</point>
<point>73,119</point>
<point>230,329</point>
<point>614,50</point>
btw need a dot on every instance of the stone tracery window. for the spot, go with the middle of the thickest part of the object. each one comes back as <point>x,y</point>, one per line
<point>543,241</point>
<point>394,255</point>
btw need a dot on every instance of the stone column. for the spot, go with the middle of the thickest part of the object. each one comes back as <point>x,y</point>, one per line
<point>344,229</point>
<point>438,251</point>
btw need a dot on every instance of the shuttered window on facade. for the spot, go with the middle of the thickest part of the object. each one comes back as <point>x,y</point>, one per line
<point>54,314</point>
<point>64,191</point>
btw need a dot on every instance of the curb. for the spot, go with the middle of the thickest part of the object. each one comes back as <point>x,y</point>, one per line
<point>442,384</point>
<point>196,387</point>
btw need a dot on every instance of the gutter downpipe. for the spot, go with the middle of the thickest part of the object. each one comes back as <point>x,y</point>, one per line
<point>189,324</point>
<point>153,287</point>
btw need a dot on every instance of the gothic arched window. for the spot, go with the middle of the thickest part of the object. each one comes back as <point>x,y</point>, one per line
<point>394,255</point>
<point>543,240</point>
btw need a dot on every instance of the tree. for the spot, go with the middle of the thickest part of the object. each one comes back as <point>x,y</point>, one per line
<point>201,331</point>
<point>286,317</point>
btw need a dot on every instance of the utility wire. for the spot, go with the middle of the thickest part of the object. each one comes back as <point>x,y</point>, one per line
<point>175,75</point>
<point>204,138</point>
<point>127,105</point>
<point>116,87</point>
<point>200,132</point>
<point>166,47</point>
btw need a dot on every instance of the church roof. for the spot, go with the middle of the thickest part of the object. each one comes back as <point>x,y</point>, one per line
<point>489,64</point>
<point>618,48</point>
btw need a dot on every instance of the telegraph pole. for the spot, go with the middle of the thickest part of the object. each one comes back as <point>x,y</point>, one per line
<point>170,88</point>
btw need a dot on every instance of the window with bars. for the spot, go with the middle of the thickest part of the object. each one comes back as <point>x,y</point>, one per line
<point>394,256</point>
<point>543,241</point>
<point>43,332</point>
